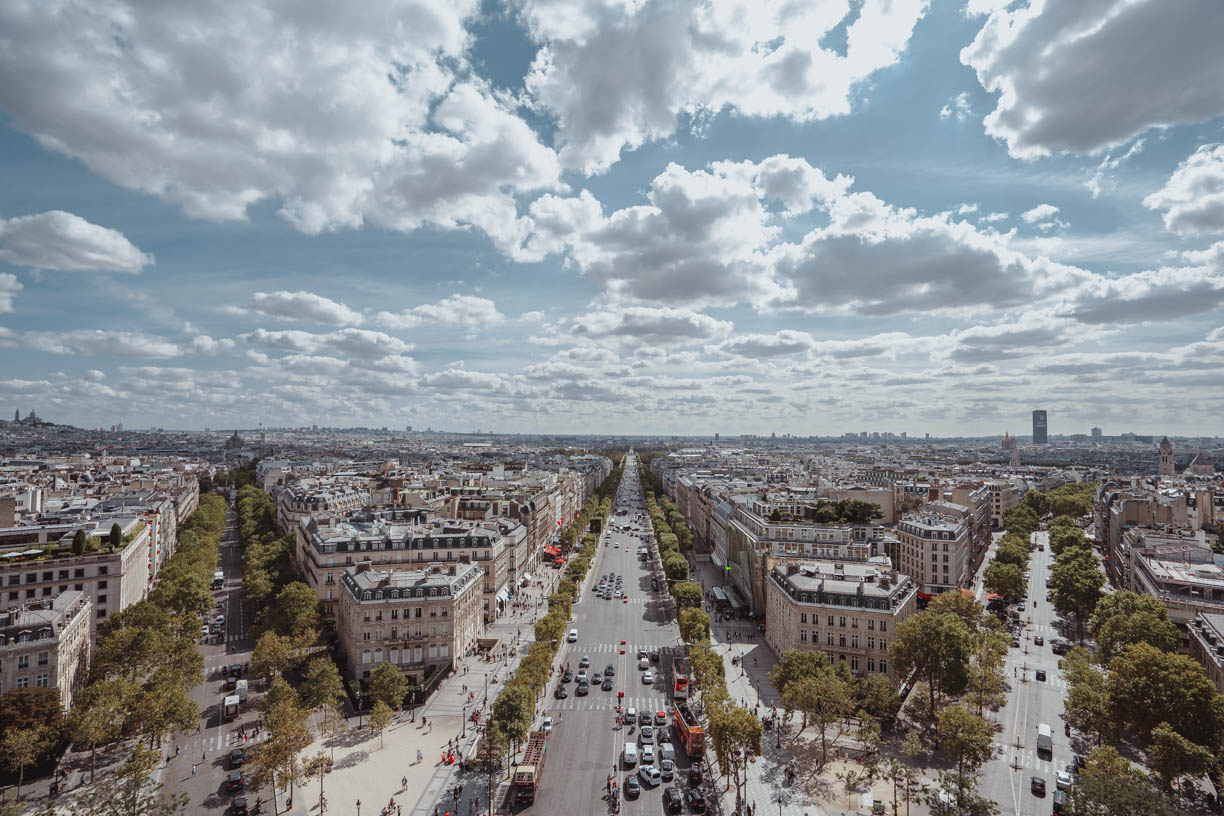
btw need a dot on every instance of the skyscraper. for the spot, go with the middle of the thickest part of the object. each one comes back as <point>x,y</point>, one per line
<point>1039,428</point>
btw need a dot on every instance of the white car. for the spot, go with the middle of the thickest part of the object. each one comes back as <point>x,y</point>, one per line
<point>649,774</point>
<point>644,663</point>
<point>573,636</point>
<point>648,755</point>
<point>1064,780</point>
<point>546,725</point>
<point>631,714</point>
<point>582,677</point>
<point>648,678</point>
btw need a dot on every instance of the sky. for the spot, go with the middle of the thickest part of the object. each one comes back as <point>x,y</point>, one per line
<point>615,216</point>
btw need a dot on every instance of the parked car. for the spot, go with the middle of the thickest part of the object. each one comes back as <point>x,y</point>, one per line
<point>696,801</point>
<point>1063,781</point>
<point>1037,786</point>
<point>238,807</point>
<point>546,725</point>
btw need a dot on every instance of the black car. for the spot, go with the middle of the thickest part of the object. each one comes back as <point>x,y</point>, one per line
<point>663,732</point>
<point>237,757</point>
<point>561,693</point>
<point>230,684</point>
<point>238,807</point>
<point>1059,648</point>
<point>672,800</point>
<point>696,801</point>
<point>632,786</point>
<point>583,689</point>
<point>1041,675</point>
<point>695,775</point>
<point>1037,786</point>
<point>644,718</point>
<point>654,656</point>
<point>610,671</point>
<point>607,684</point>
<point>1038,640</point>
<point>567,677</point>
<point>233,780</point>
<point>235,670</point>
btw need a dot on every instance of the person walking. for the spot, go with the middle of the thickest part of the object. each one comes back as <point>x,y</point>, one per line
<point>193,769</point>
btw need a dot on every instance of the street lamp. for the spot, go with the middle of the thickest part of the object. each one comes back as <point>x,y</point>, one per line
<point>465,719</point>
<point>780,801</point>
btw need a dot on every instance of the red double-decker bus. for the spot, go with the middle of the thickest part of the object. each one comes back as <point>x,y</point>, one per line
<point>688,727</point>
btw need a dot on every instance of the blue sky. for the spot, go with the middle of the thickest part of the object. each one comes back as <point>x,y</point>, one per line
<point>659,217</point>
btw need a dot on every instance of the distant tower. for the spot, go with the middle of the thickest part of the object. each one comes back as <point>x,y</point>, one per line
<point>1039,428</point>
<point>17,415</point>
<point>1009,446</point>
<point>1165,467</point>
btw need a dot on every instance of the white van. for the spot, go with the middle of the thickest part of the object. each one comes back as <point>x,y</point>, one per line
<point>573,636</point>
<point>667,751</point>
<point>630,755</point>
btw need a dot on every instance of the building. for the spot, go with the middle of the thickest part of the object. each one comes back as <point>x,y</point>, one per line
<point>1040,430</point>
<point>847,610</point>
<point>1207,646</point>
<point>421,621</point>
<point>935,548</point>
<point>47,644</point>
<point>1096,433</point>
<point>1177,569</point>
<point>1004,495</point>
<point>1164,465</point>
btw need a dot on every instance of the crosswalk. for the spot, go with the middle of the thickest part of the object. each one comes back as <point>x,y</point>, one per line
<point>607,701</point>
<point>581,648</point>
<point>1026,759</point>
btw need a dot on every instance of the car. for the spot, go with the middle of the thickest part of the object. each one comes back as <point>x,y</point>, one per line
<point>230,684</point>
<point>643,664</point>
<point>596,678</point>
<point>1038,640</point>
<point>546,725</point>
<point>617,593</point>
<point>654,584</point>
<point>610,671</point>
<point>607,683</point>
<point>660,718</point>
<point>646,735</point>
<point>672,800</point>
<point>632,788</point>
<point>220,620</point>
<point>654,655</point>
<point>644,718</point>
<point>696,800</point>
<point>663,734</point>
<point>649,774</point>
<point>1080,762</point>
<point>641,654</point>
<point>696,775</point>
<point>236,758</point>
<point>583,689</point>
<point>1015,642</point>
<point>204,630</point>
<point>1037,786</point>
<point>1060,803</point>
<point>567,677</point>
<point>630,715</point>
<point>582,677</point>
<point>1020,607</point>
<point>667,769</point>
<point>648,677</point>
<point>233,780</point>
<point>216,629</point>
<point>235,670</point>
<point>572,637</point>
<point>1058,648</point>
<point>561,693</point>
<point>1041,675</point>
<point>1063,781</point>
<point>585,662</point>
<point>238,807</point>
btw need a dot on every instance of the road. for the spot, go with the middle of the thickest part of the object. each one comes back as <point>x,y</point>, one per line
<point>586,744</point>
<point>1006,779</point>
<point>208,747</point>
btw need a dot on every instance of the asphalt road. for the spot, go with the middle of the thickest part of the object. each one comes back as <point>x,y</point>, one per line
<point>1006,779</point>
<point>586,744</point>
<point>208,748</point>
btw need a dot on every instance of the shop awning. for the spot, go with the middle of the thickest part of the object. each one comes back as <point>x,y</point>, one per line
<point>503,594</point>
<point>717,559</point>
<point>527,578</point>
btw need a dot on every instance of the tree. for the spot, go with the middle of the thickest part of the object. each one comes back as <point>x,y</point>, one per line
<point>1109,785</point>
<point>31,707</point>
<point>295,613</point>
<point>1012,552</point>
<point>1005,579</point>
<point>21,747</point>
<point>277,758</point>
<point>736,736</point>
<point>876,696</point>
<point>380,717</point>
<point>388,685</point>
<point>97,716</point>
<point>322,686</point>
<point>709,672</point>
<point>116,536</point>
<point>969,741</point>
<point>513,710</point>
<point>1125,618</point>
<point>1087,707</point>
<point>1021,521</point>
<point>676,567</point>
<point>961,604</point>
<point>937,647</point>
<point>317,766</point>
<point>797,664</point>
<point>687,595</point>
<point>830,698</point>
<point>78,542</point>
<point>1076,582</point>
<point>1171,755</point>
<point>131,791</point>
<point>1148,687</point>
<point>273,656</point>
<point>1066,537</point>
<point>694,625</point>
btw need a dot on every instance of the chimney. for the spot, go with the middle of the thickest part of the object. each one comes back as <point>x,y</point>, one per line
<point>791,569</point>
<point>450,570</point>
<point>364,566</point>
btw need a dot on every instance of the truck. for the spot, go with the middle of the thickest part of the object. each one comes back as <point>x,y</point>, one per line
<point>230,706</point>
<point>682,676</point>
<point>218,579</point>
<point>1045,741</point>
<point>688,728</point>
<point>241,690</point>
<point>527,773</point>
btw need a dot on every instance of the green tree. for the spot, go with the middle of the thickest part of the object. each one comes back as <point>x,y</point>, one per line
<point>1148,687</point>
<point>21,747</point>
<point>694,625</point>
<point>130,791</point>
<point>876,696</point>
<point>1021,521</point>
<point>295,613</point>
<point>273,656</point>
<point>1012,552</point>
<point>709,672</point>
<point>317,766</point>
<point>687,595</point>
<point>388,685</point>
<point>1076,582</point>
<point>513,710</point>
<point>961,604</point>
<point>676,567</point>
<point>797,664</point>
<point>31,707</point>
<point>116,536</point>
<point>1087,708</point>
<point>322,685</point>
<point>78,542</point>
<point>97,715</point>
<point>1110,786</point>
<point>936,647</point>
<point>969,741</point>
<point>276,761</point>
<point>986,681</point>
<point>1005,579</point>
<point>736,737</point>
<point>1067,537</point>
<point>1171,756</point>
<point>831,698</point>
<point>380,717</point>
<point>1122,619</point>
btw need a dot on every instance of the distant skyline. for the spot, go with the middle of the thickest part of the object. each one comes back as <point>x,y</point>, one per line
<point>653,218</point>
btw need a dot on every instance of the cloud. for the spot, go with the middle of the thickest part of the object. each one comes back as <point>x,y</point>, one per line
<point>1042,212</point>
<point>1096,184</point>
<point>357,343</point>
<point>206,345</point>
<point>1015,338</point>
<point>457,311</point>
<point>642,324</point>
<point>784,343</point>
<point>959,107</point>
<point>117,343</point>
<point>768,58</point>
<point>342,118</point>
<point>1193,197</point>
<point>9,287</point>
<point>66,242</point>
<point>1087,76</point>
<point>1159,294</point>
<point>304,306</point>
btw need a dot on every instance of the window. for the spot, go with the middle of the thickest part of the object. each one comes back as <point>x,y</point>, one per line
<point>79,587</point>
<point>23,661</point>
<point>23,682</point>
<point>830,639</point>
<point>418,612</point>
<point>42,658</point>
<point>29,593</point>
<point>854,623</point>
<point>830,620</point>
<point>47,576</point>
<point>803,636</point>
<point>803,617</point>
<point>101,600</point>
<point>365,635</point>
<point>103,570</point>
<point>870,624</point>
<point>841,621</point>
<point>31,577</point>
<point>841,640</point>
<point>884,666</point>
<point>853,663</point>
<point>79,572</point>
<point>871,664</point>
<point>63,575</point>
<point>883,626</point>
<point>870,643</point>
<point>41,680</point>
<point>46,591</point>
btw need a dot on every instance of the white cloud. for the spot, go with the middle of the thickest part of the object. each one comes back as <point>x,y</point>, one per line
<point>1099,179</point>
<point>1086,76</point>
<point>66,242</point>
<point>1160,294</point>
<point>1042,212</point>
<point>457,311</point>
<point>304,306</point>
<point>993,217</point>
<point>117,343</point>
<point>9,287</point>
<point>641,324</point>
<point>344,116</point>
<point>1193,197</point>
<point>356,343</point>
<point>784,343</point>
<point>207,345</point>
<point>684,57</point>
<point>959,106</point>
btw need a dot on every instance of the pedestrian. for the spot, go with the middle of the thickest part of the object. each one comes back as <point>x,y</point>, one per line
<point>419,756</point>
<point>193,769</point>
<point>204,756</point>
<point>178,749</point>
<point>403,782</point>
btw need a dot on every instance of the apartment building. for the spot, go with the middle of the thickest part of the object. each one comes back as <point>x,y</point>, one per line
<point>978,502</point>
<point>1206,634</point>
<point>934,548</point>
<point>400,540</point>
<point>419,620</point>
<point>1177,567</point>
<point>850,611</point>
<point>47,644</point>
<point>1004,495</point>
<point>310,497</point>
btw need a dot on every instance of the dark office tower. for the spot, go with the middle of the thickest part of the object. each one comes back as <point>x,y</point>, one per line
<point>1039,428</point>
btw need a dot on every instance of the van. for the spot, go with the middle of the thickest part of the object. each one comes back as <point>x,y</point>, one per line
<point>1045,740</point>
<point>573,636</point>
<point>630,754</point>
<point>218,580</point>
<point>667,751</point>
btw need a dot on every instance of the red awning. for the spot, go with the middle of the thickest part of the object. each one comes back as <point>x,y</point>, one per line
<point>926,596</point>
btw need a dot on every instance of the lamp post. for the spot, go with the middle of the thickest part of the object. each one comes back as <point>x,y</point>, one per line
<point>780,801</point>
<point>465,719</point>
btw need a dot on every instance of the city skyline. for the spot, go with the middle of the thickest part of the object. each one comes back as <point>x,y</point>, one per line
<point>772,218</point>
